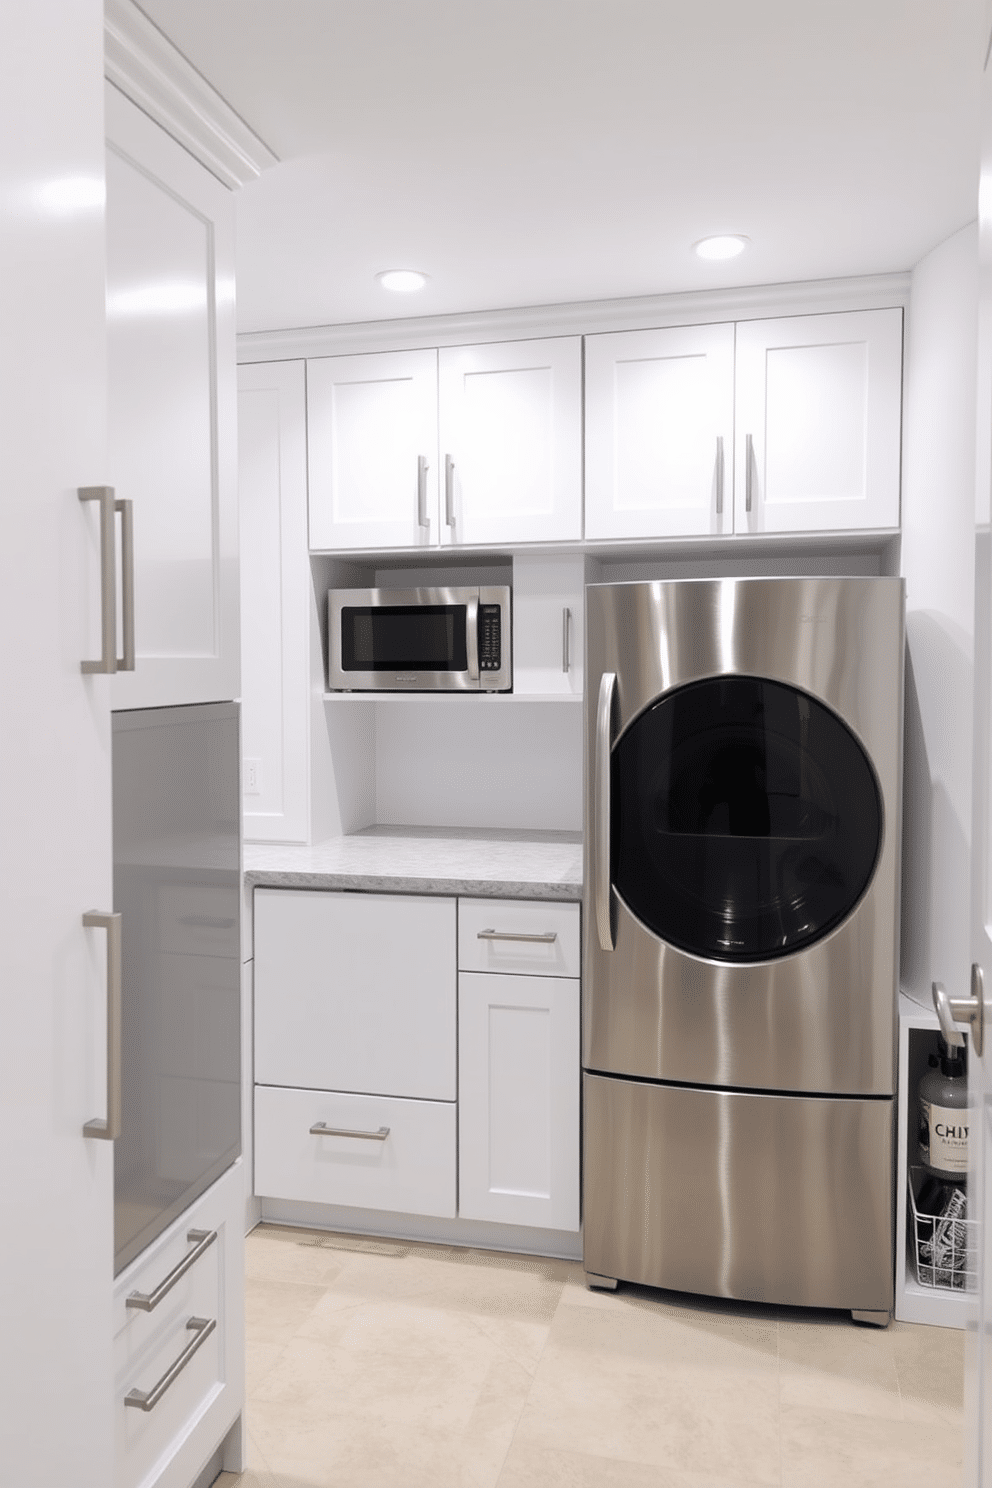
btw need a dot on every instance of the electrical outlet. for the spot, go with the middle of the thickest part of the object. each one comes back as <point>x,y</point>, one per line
<point>253,777</point>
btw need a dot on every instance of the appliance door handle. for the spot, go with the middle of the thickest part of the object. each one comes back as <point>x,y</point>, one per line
<point>449,491</point>
<point>546,937</point>
<point>422,467</point>
<point>321,1129</point>
<point>718,475</point>
<point>148,1301</point>
<point>748,472</point>
<point>125,663</point>
<point>108,579</point>
<point>147,1400</point>
<point>601,810</point>
<point>95,919</point>
<point>472,638</point>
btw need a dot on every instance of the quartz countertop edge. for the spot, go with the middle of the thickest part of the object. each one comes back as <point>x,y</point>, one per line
<point>381,860</point>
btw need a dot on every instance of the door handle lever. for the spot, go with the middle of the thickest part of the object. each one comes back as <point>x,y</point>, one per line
<point>954,1010</point>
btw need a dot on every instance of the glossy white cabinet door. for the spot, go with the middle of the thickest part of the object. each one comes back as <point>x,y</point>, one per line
<point>355,992</point>
<point>518,1099</point>
<point>275,600</point>
<point>818,422</point>
<point>56,1422</point>
<point>659,432</point>
<point>510,421</point>
<point>172,409</point>
<point>372,428</point>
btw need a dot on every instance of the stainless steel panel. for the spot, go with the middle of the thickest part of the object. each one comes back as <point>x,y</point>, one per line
<point>769,1198</point>
<point>822,1019</point>
<point>421,681</point>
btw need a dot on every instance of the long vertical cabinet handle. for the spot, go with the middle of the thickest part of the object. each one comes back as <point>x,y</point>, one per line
<point>449,492</point>
<point>566,626</point>
<point>422,467</point>
<point>601,791</point>
<point>718,475</point>
<point>472,638</point>
<point>99,920</point>
<point>748,473</point>
<point>125,662</point>
<point>108,579</point>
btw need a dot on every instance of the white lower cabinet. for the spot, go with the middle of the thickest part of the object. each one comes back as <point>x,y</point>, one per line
<point>179,1355</point>
<point>518,1099</point>
<point>357,1024</point>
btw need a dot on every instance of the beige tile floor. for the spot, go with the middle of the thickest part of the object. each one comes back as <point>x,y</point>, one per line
<point>374,1364</point>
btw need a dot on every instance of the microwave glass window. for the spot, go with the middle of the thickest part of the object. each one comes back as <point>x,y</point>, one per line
<point>747,821</point>
<point>415,638</point>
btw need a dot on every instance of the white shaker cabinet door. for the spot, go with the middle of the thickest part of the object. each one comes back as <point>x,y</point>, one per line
<point>819,406</point>
<point>510,419</point>
<point>518,1099</point>
<point>172,410</point>
<point>372,428</point>
<point>355,992</point>
<point>276,596</point>
<point>659,432</point>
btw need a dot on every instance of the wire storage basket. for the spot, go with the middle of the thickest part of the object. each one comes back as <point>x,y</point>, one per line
<point>946,1244</point>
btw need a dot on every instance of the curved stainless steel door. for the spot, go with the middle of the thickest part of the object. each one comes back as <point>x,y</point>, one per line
<point>751,875</point>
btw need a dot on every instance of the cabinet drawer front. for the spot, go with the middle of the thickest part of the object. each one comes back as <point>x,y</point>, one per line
<point>487,931</point>
<point>355,992</point>
<point>206,1393</point>
<point>411,1170</point>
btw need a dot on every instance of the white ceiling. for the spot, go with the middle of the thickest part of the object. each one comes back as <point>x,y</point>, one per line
<point>533,151</point>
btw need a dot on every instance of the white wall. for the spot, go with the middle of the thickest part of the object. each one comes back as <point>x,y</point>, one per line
<point>938,565</point>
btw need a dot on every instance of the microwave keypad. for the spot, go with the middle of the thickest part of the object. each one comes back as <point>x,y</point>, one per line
<point>490,638</point>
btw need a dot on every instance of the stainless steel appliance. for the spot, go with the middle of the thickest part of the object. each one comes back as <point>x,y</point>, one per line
<point>419,640</point>
<point>743,787</point>
<point>177,887</point>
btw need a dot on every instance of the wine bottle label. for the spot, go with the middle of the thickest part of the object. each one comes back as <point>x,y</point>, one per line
<point>948,1131</point>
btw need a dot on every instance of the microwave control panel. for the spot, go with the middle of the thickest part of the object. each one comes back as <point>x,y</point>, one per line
<point>490,638</point>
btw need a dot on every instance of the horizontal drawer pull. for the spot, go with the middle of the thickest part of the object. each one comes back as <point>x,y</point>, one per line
<point>547,937</point>
<point>321,1129</point>
<point>148,1301</point>
<point>148,1400</point>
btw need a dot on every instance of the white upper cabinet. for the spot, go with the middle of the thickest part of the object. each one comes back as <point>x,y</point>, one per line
<point>372,425</point>
<point>172,410</point>
<point>659,432</point>
<point>510,420</point>
<point>818,422</point>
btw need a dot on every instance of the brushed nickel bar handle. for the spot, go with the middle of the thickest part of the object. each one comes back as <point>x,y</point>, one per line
<point>321,1129</point>
<point>748,472</point>
<point>449,491</point>
<point>125,663</point>
<point>566,626</point>
<point>472,638</point>
<point>108,579</point>
<point>547,937</point>
<point>422,467</point>
<point>601,810</point>
<point>719,475</point>
<point>95,919</point>
<point>148,1301</point>
<point>148,1400</point>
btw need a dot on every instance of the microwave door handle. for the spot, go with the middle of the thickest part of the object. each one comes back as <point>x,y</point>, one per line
<point>472,638</point>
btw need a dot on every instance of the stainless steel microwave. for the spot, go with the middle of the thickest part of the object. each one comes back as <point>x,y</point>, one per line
<point>419,640</point>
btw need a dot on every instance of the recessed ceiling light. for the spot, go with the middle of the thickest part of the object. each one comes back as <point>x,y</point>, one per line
<point>403,281</point>
<point>727,246</point>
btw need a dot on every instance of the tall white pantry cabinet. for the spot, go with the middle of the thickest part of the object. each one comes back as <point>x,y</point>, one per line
<point>55,789</point>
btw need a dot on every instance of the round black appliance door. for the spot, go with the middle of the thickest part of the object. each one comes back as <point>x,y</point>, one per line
<point>746,819</point>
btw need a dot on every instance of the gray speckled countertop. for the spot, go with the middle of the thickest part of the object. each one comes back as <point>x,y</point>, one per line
<point>427,860</point>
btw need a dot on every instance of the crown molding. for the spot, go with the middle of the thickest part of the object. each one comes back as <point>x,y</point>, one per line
<point>142,62</point>
<point>584,317</point>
